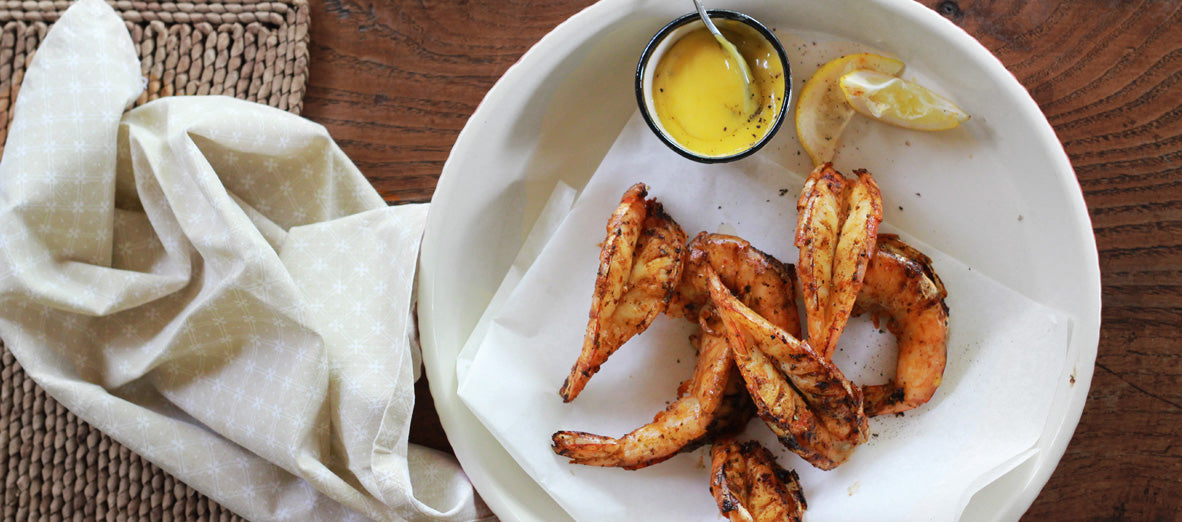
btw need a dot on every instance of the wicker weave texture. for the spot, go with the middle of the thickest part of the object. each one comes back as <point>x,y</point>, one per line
<point>54,465</point>
<point>57,467</point>
<point>254,51</point>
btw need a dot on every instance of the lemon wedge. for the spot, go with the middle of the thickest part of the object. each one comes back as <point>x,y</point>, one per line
<point>822,111</point>
<point>899,102</point>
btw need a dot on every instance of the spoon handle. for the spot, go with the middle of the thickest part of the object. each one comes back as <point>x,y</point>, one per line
<point>706,19</point>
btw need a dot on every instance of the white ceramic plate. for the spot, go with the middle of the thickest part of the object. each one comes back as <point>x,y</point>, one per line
<point>556,112</point>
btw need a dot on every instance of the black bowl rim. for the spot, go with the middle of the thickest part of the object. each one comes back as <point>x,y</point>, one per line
<point>651,47</point>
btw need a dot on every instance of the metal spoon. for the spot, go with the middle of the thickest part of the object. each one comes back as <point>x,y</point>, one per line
<point>729,48</point>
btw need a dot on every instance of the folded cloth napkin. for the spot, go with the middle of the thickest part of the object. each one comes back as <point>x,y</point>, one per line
<point>215,285</point>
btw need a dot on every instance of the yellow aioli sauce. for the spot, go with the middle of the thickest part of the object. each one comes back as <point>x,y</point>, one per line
<point>698,91</point>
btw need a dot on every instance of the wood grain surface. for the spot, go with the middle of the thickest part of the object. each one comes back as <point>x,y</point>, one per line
<point>395,81</point>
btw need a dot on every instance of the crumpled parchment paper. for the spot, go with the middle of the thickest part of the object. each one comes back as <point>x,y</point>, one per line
<point>1005,353</point>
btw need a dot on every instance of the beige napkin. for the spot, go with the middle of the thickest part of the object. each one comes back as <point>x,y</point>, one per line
<point>215,285</point>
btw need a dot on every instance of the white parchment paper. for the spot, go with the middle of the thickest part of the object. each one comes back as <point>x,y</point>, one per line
<point>1004,354</point>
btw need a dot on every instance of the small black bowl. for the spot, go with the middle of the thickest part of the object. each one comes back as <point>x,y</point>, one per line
<point>661,43</point>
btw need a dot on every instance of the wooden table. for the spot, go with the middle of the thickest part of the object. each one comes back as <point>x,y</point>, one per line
<point>395,81</point>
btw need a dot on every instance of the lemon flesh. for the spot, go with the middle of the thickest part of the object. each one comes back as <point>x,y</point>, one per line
<point>822,111</point>
<point>899,102</point>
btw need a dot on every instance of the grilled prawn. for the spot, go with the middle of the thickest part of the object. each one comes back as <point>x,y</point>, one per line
<point>836,229</point>
<point>804,398</point>
<point>766,285</point>
<point>713,400</point>
<point>639,267</point>
<point>759,280</point>
<point>750,486</point>
<point>901,287</point>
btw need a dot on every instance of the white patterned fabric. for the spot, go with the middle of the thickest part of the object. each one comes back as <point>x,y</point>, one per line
<point>215,285</point>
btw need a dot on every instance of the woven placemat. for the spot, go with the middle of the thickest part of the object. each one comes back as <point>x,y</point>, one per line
<point>55,466</point>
